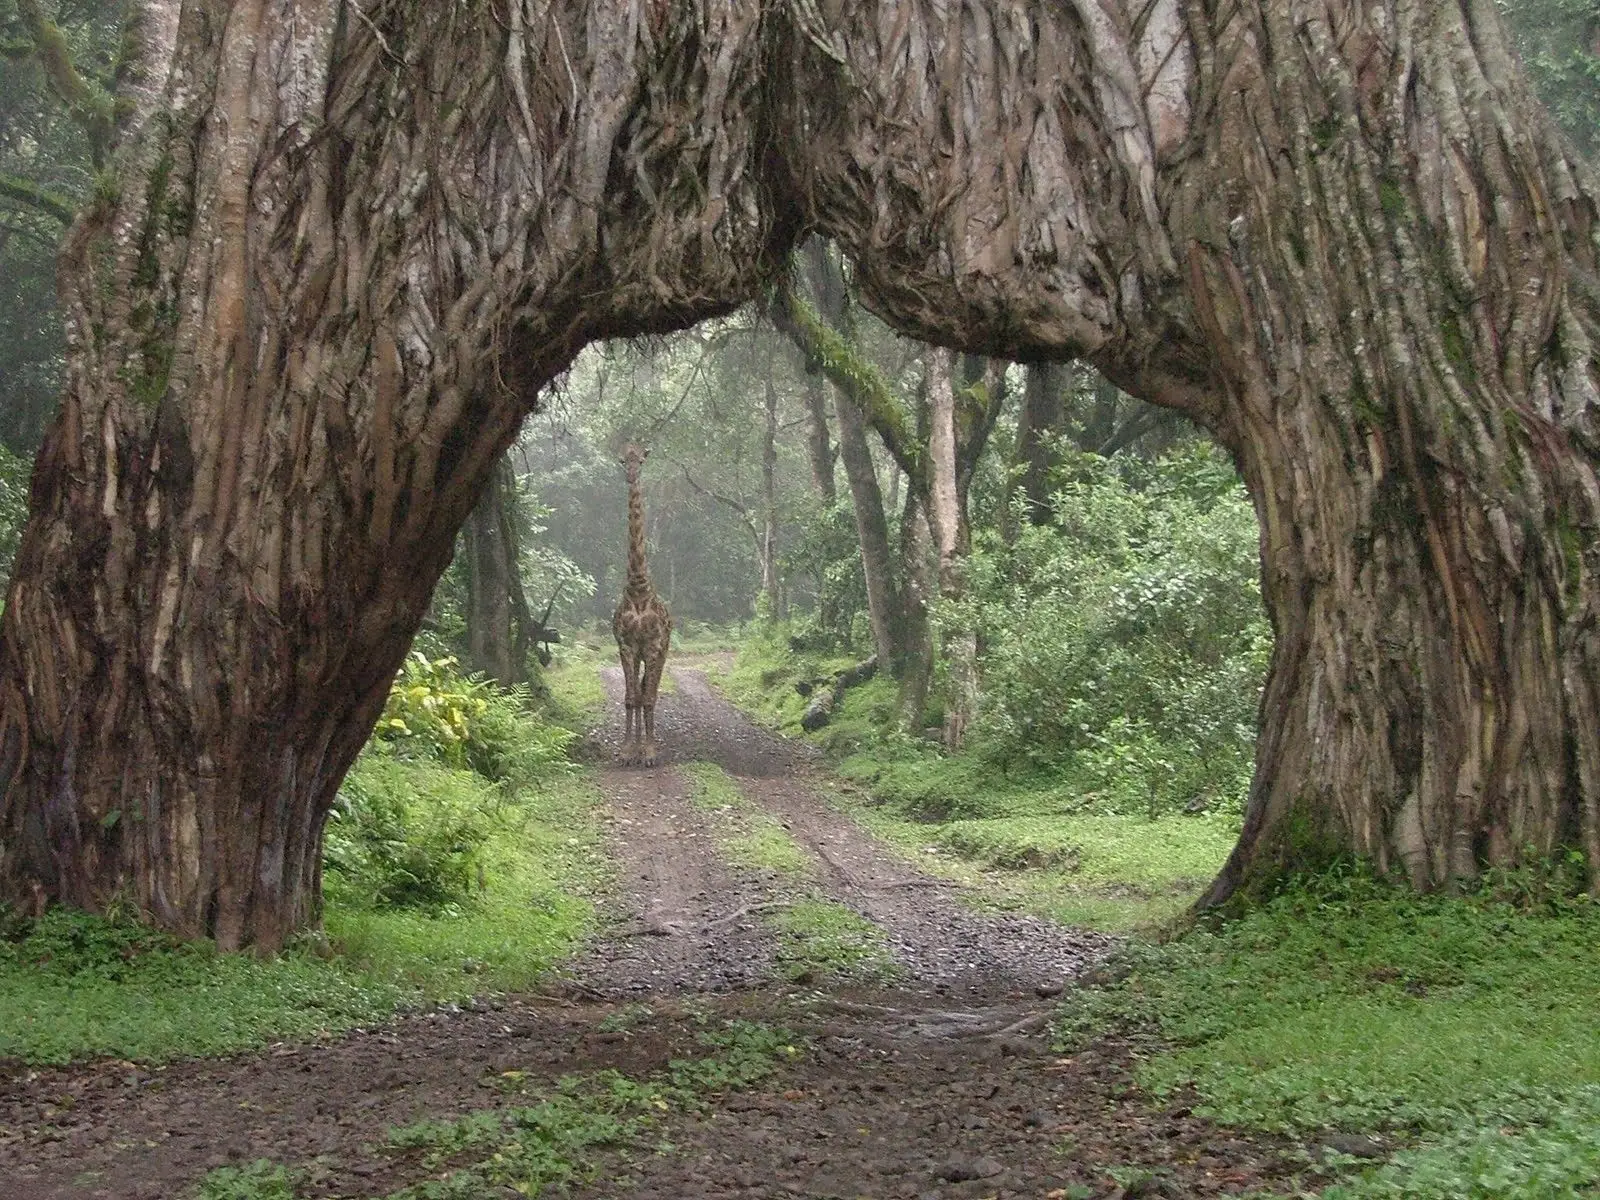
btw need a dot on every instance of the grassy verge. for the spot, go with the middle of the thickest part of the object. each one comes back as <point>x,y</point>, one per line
<point>577,697</point>
<point>747,835</point>
<point>530,909</point>
<point>1457,1033</point>
<point>552,1136</point>
<point>1025,837</point>
<point>439,885</point>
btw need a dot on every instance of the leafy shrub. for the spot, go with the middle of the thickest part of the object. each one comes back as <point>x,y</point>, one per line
<point>408,834</point>
<point>451,752</point>
<point>1126,641</point>
<point>435,711</point>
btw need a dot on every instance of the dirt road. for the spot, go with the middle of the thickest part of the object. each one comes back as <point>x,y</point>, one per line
<point>937,1087</point>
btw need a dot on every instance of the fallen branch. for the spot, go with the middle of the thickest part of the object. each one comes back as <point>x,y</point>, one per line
<point>820,710</point>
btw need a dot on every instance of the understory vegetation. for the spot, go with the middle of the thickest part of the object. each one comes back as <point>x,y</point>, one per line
<point>458,862</point>
<point>1455,1034</point>
<point>1122,651</point>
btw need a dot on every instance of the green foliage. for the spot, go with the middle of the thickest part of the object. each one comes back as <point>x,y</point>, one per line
<point>54,119</point>
<point>14,474</point>
<point>554,1141</point>
<point>435,711</point>
<point>450,757</point>
<point>1039,834</point>
<point>261,1179</point>
<point>1527,1146</point>
<point>1560,45</point>
<point>827,550</point>
<point>408,834</point>
<point>1125,644</point>
<point>540,864</point>
<point>767,669</point>
<point>1462,1026</point>
<point>75,986</point>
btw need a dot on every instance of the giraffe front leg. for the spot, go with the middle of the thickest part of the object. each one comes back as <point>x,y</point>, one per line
<point>631,719</point>
<point>647,701</point>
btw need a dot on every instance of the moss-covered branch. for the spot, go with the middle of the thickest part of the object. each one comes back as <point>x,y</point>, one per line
<point>88,102</point>
<point>849,371</point>
<point>24,191</point>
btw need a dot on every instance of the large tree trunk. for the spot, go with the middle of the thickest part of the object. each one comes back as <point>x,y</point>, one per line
<point>347,246</point>
<point>1346,239</point>
<point>349,241</point>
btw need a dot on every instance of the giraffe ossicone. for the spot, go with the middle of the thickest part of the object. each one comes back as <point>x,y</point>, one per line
<point>643,629</point>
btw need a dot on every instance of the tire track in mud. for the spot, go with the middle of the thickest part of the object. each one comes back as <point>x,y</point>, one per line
<point>681,895</point>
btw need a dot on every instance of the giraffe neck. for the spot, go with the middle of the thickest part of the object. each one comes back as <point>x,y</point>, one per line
<point>638,569</point>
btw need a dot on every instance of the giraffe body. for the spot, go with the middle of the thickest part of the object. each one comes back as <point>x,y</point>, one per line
<point>643,629</point>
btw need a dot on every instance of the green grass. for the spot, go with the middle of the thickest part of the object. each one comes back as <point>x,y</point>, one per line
<point>577,697</point>
<point>554,1140</point>
<point>541,867</point>
<point>1104,871</point>
<point>823,939</point>
<point>747,835</point>
<point>763,677</point>
<point>1462,1029</point>
<point>261,1179</point>
<point>74,987</point>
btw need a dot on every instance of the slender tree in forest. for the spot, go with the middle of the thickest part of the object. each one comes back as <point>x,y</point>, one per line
<point>501,628</point>
<point>348,242</point>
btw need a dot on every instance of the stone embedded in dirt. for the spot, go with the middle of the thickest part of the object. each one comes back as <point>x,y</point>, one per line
<point>960,1170</point>
<point>1356,1145</point>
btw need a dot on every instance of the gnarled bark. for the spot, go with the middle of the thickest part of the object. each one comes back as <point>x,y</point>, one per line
<point>350,239</point>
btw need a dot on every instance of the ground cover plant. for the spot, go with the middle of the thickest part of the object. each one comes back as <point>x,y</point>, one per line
<point>1457,1032</point>
<point>553,1134</point>
<point>459,860</point>
<point>822,939</point>
<point>1031,834</point>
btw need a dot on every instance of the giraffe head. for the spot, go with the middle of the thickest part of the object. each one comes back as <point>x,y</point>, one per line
<point>632,460</point>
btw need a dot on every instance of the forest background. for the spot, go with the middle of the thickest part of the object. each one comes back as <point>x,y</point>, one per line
<point>1038,652</point>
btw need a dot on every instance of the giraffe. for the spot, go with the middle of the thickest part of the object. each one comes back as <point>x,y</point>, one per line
<point>642,627</point>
